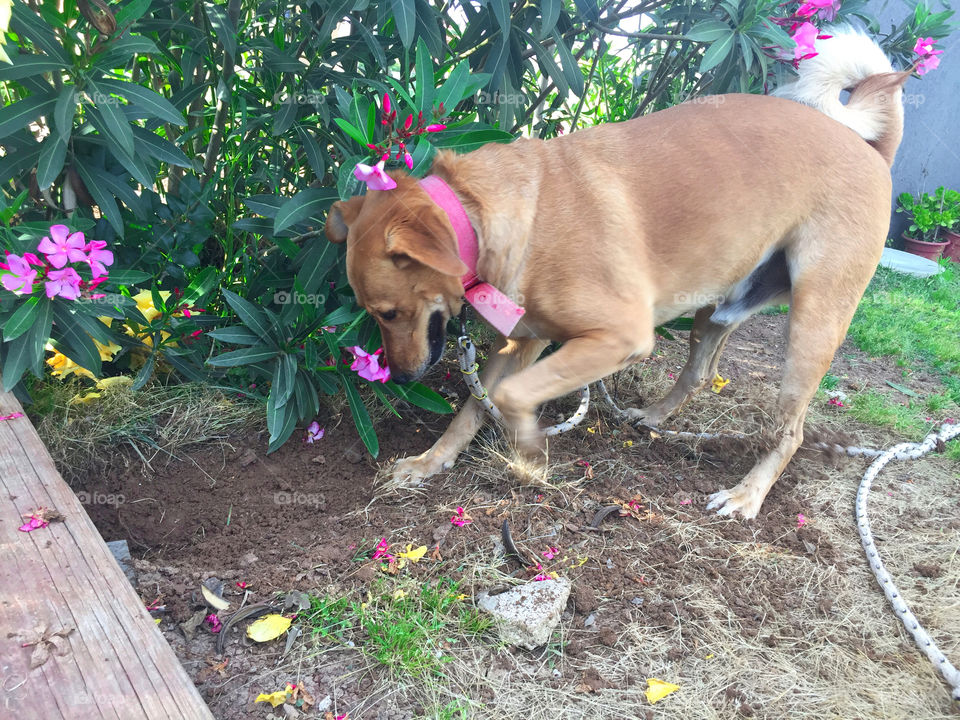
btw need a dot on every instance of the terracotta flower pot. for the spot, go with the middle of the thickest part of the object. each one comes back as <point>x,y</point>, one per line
<point>952,250</point>
<point>928,250</point>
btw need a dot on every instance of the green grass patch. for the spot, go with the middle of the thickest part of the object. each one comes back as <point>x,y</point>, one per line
<point>408,627</point>
<point>875,408</point>
<point>912,319</point>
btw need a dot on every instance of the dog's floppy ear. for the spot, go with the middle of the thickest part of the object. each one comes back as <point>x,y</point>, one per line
<point>429,240</point>
<point>341,215</point>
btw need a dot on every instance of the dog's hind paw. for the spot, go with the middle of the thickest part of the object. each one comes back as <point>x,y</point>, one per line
<point>740,500</point>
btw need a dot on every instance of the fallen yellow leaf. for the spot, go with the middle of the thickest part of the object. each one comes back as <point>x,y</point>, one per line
<point>274,698</point>
<point>269,627</point>
<point>658,689</point>
<point>413,555</point>
<point>399,595</point>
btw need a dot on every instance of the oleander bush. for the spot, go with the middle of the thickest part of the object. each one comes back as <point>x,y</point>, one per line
<point>197,146</point>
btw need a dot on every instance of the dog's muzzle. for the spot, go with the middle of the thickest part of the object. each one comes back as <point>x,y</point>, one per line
<point>436,340</point>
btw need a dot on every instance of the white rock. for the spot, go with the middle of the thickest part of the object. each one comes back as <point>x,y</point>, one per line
<point>527,615</point>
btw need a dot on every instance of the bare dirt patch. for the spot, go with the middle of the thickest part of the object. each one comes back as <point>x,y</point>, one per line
<point>761,619</point>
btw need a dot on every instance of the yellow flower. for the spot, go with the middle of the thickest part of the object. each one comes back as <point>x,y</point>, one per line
<point>106,351</point>
<point>412,555</point>
<point>144,300</point>
<point>6,6</point>
<point>399,595</point>
<point>61,366</point>
<point>719,384</point>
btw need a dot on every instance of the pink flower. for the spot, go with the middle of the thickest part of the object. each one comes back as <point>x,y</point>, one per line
<point>367,365</point>
<point>436,127</point>
<point>374,176</point>
<point>550,552</point>
<point>213,623</point>
<point>928,56</point>
<point>836,402</point>
<point>826,9</point>
<point>386,103</point>
<point>686,502</point>
<point>34,523</point>
<point>65,283</point>
<point>381,550</point>
<point>98,258</point>
<point>63,247</point>
<point>801,520</point>
<point>924,46</point>
<point>242,584</point>
<point>460,519</point>
<point>408,160</point>
<point>928,63</point>
<point>314,432</point>
<point>805,36</point>
<point>20,277</point>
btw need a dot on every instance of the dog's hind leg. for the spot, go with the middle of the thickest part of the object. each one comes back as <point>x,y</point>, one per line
<point>506,358</point>
<point>707,339</point>
<point>766,284</point>
<point>824,300</point>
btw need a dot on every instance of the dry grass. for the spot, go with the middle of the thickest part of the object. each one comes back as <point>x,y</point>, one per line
<point>154,424</point>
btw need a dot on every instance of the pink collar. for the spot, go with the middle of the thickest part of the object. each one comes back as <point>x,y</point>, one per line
<point>491,304</point>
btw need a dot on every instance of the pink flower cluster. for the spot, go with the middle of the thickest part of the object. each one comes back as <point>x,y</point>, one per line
<point>367,365</point>
<point>58,249</point>
<point>803,30</point>
<point>929,59</point>
<point>375,176</point>
<point>461,518</point>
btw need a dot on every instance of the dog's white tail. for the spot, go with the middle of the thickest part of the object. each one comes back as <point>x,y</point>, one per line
<point>849,60</point>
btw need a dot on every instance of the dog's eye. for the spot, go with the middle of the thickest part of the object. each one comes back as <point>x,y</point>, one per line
<point>388,315</point>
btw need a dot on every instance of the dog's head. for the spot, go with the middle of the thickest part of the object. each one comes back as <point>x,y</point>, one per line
<point>403,265</point>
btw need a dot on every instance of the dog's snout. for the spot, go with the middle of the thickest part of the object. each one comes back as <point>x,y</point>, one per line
<point>401,378</point>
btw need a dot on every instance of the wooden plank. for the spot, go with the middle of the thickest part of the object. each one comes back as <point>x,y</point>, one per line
<point>117,664</point>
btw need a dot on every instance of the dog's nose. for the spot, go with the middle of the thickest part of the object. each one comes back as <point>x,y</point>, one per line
<point>401,377</point>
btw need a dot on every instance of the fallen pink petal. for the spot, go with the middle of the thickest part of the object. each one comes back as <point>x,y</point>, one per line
<point>801,520</point>
<point>314,432</point>
<point>461,518</point>
<point>550,552</point>
<point>11,416</point>
<point>381,550</point>
<point>686,502</point>
<point>213,623</point>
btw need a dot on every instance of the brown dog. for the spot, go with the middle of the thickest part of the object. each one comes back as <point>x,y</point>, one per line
<point>721,207</point>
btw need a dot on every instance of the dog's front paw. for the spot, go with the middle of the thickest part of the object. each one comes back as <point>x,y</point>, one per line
<point>412,471</point>
<point>743,500</point>
<point>648,416</point>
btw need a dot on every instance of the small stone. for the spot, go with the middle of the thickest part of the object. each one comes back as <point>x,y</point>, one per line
<point>590,621</point>
<point>248,458</point>
<point>248,559</point>
<point>638,601</point>
<point>352,455</point>
<point>323,704</point>
<point>289,711</point>
<point>527,615</point>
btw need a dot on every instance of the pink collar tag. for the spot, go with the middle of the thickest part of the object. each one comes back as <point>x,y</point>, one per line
<point>491,304</point>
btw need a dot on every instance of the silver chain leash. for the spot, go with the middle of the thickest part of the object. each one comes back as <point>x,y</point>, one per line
<point>467,353</point>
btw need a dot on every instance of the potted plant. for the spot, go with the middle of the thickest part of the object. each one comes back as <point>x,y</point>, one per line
<point>931,216</point>
<point>951,234</point>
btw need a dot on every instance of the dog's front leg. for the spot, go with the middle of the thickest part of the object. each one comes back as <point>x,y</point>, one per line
<point>580,361</point>
<point>506,357</point>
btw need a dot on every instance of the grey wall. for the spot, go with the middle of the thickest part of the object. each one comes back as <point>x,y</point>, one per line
<point>930,153</point>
